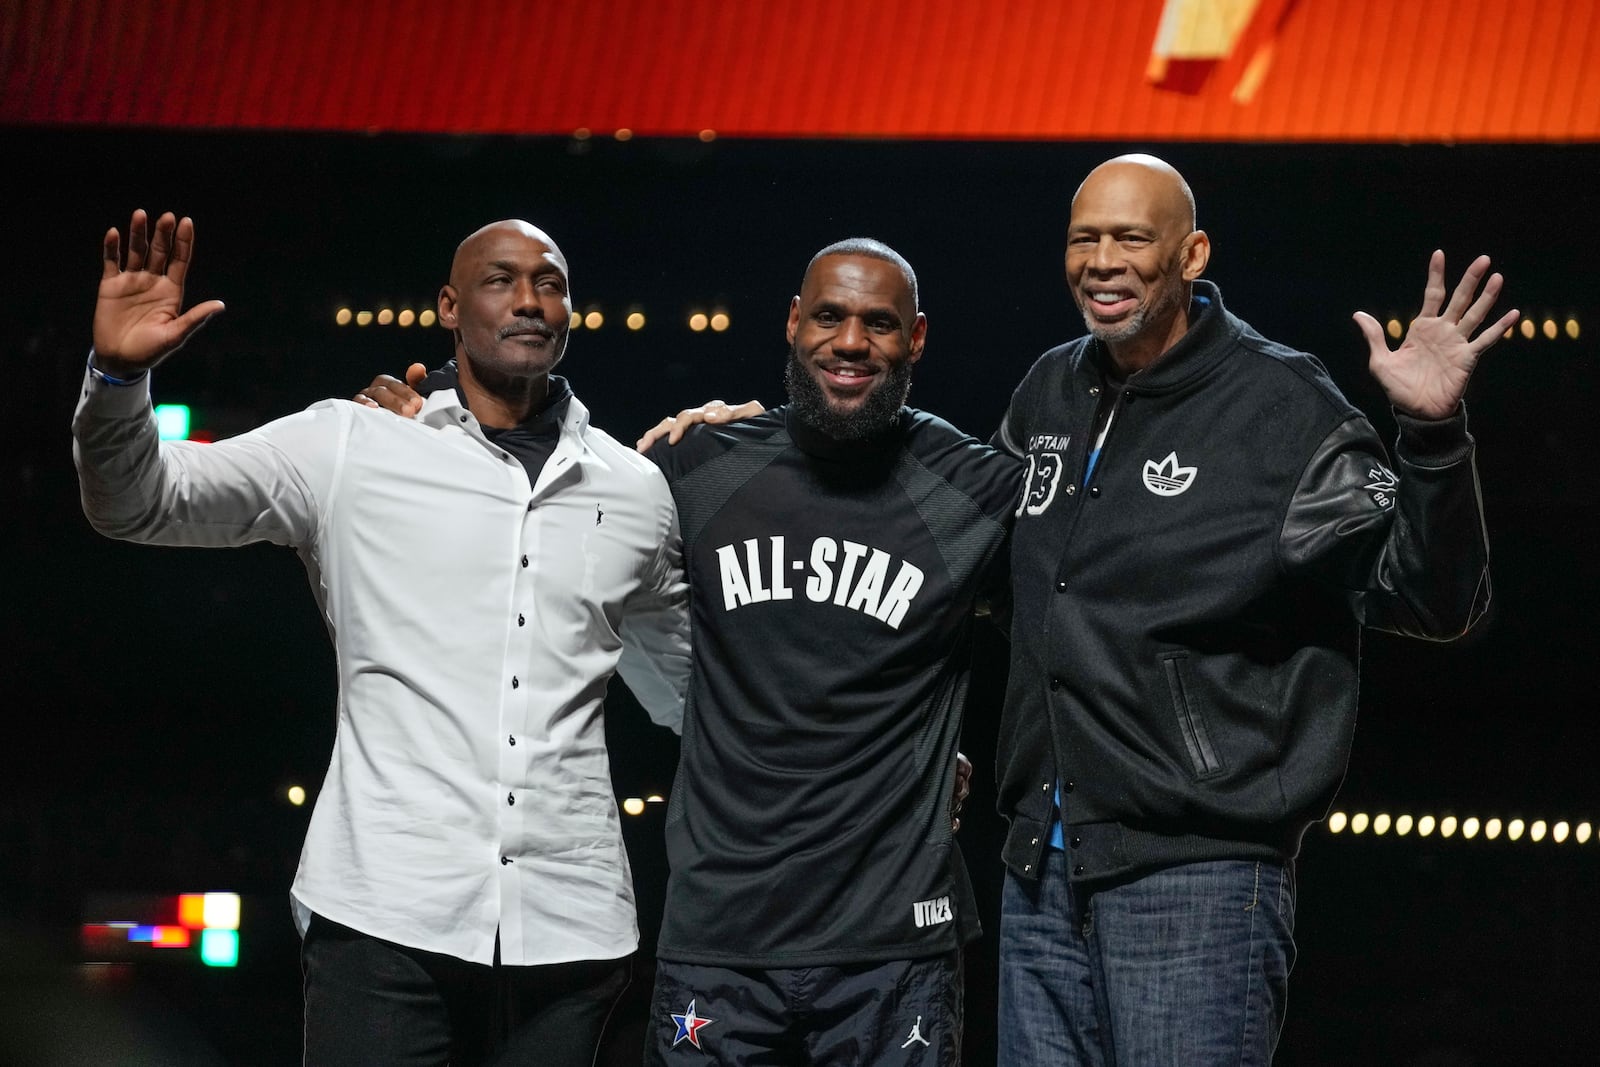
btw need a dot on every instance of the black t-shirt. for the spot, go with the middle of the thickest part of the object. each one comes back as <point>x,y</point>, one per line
<point>832,587</point>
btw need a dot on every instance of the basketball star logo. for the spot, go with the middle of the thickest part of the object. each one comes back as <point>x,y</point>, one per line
<point>689,1025</point>
<point>915,1037</point>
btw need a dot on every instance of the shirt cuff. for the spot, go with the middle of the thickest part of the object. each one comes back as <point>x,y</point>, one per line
<point>111,396</point>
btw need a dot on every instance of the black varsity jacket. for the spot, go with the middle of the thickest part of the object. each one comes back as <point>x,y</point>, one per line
<point>1186,626</point>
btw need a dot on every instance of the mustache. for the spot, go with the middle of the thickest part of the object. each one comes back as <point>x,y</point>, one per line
<point>521,326</point>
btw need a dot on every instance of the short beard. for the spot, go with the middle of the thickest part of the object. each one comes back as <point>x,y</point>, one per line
<point>1139,321</point>
<point>872,417</point>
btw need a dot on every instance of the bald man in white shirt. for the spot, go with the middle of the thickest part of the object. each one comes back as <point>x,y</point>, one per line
<point>463,890</point>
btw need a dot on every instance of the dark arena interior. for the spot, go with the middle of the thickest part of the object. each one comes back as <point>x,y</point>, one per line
<point>169,713</point>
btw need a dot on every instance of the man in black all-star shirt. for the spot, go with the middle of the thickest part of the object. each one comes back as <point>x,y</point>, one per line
<point>835,549</point>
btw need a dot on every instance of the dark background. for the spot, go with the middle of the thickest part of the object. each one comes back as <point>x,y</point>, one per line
<point>158,701</point>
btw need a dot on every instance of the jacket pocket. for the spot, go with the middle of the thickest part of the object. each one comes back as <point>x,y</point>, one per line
<point>1189,709</point>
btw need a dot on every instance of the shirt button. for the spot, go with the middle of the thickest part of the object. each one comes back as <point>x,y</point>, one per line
<point>1077,842</point>
<point>1094,390</point>
<point>1055,684</point>
<point>1094,490</point>
<point>504,456</point>
<point>511,798</point>
<point>1071,489</point>
<point>464,419</point>
<point>511,739</point>
<point>1067,787</point>
<point>504,860</point>
<point>1045,787</point>
<point>1027,868</point>
<point>1035,841</point>
<point>514,682</point>
<point>520,620</point>
<point>524,561</point>
<point>1078,869</point>
<point>530,505</point>
<point>1061,587</point>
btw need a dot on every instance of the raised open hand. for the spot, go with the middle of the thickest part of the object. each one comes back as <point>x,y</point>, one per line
<point>139,318</point>
<point>1426,376</point>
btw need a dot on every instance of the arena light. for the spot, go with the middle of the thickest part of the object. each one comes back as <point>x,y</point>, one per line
<point>1380,823</point>
<point>1536,832</point>
<point>1585,831</point>
<point>363,318</point>
<point>406,317</point>
<point>575,321</point>
<point>1559,832</point>
<point>707,136</point>
<point>1527,328</point>
<point>624,134</point>
<point>635,320</point>
<point>343,316</point>
<point>219,948</point>
<point>1447,826</point>
<point>594,320</point>
<point>295,795</point>
<point>1402,825</point>
<point>698,321</point>
<point>1551,330</point>
<point>720,321</point>
<point>172,422</point>
<point>1393,328</point>
<point>1514,829</point>
<point>1470,827</point>
<point>1572,328</point>
<point>1491,829</point>
<point>1425,826</point>
<point>427,318</point>
<point>1337,822</point>
<point>385,316</point>
<point>633,806</point>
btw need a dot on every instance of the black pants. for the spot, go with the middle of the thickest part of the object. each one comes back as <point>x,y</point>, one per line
<point>369,1001</point>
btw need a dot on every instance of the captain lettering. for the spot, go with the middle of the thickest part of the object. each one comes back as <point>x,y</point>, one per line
<point>846,573</point>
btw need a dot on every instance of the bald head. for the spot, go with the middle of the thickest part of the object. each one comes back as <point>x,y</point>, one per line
<point>1155,182</point>
<point>1133,254</point>
<point>480,243</point>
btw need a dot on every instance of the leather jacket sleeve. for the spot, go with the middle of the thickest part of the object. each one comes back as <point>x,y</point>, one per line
<point>1408,546</point>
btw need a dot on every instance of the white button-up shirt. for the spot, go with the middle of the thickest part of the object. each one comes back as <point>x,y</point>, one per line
<point>476,620</point>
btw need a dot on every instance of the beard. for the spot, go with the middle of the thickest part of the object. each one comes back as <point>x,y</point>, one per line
<point>1142,318</point>
<point>875,414</point>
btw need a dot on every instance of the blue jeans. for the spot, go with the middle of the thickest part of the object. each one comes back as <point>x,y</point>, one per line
<point>1187,966</point>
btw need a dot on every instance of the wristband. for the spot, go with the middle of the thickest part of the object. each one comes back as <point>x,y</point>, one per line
<point>111,379</point>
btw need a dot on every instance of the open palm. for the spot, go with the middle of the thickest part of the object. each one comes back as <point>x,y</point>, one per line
<point>1427,375</point>
<point>139,318</point>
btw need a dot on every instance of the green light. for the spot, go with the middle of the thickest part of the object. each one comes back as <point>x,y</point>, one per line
<point>172,422</point>
<point>219,948</point>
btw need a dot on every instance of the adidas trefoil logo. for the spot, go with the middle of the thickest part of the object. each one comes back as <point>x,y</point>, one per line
<point>1167,478</point>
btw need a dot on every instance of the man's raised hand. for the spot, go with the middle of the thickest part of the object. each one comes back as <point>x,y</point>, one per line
<point>1426,376</point>
<point>139,318</point>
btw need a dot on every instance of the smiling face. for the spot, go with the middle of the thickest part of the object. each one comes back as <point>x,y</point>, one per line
<point>508,303</point>
<point>854,333</point>
<point>1132,254</point>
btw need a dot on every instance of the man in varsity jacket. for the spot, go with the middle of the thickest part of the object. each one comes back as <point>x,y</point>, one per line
<point>1206,526</point>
